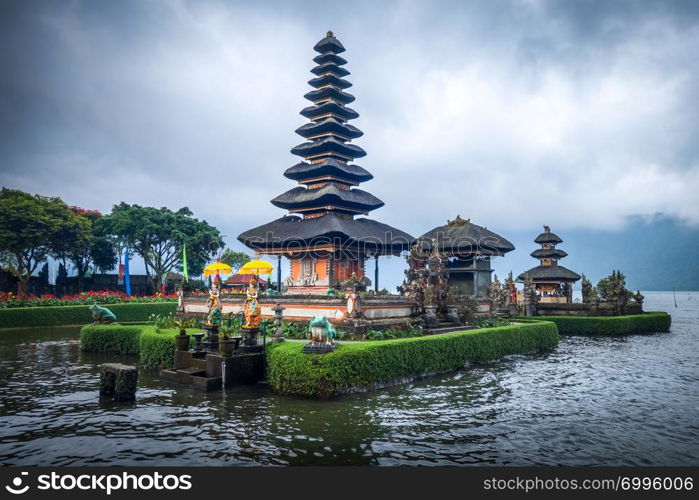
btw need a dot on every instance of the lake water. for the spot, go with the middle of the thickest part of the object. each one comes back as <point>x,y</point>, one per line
<point>592,401</point>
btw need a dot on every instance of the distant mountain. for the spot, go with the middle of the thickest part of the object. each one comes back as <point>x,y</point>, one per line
<point>657,255</point>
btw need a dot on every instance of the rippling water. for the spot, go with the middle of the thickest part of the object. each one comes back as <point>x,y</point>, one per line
<point>592,401</point>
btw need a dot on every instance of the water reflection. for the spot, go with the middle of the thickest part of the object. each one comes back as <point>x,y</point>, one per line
<point>607,401</point>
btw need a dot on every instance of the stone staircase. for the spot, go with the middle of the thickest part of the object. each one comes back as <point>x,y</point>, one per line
<point>210,371</point>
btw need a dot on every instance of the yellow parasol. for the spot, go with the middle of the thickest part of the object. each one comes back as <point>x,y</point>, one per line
<point>217,267</point>
<point>256,267</point>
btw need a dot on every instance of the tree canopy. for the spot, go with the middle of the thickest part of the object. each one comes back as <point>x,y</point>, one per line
<point>33,227</point>
<point>157,235</point>
<point>97,249</point>
<point>234,259</point>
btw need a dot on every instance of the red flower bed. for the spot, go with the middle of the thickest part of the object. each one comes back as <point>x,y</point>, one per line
<point>8,299</point>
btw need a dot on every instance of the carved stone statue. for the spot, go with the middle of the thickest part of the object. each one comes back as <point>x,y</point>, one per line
<point>214,306</point>
<point>101,315</point>
<point>322,335</point>
<point>251,309</point>
<point>352,304</point>
<point>510,291</point>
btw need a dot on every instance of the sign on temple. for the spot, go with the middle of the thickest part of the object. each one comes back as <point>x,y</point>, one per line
<point>325,241</point>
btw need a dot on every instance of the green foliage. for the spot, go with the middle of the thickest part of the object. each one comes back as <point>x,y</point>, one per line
<point>649,322</point>
<point>31,228</point>
<point>160,321</point>
<point>158,235</point>
<point>393,333</point>
<point>96,248</point>
<point>116,339</point>
<point>76,315</point>
<point>295,331</point>
<point>491,322</point>
<point>157,348</point>
<point>364,365</point>
<point>234,259</point>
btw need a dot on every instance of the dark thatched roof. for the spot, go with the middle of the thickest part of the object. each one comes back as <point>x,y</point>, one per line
<point>463,236</point>
<point>329,44</point>
<point>292,231</point>
<point>322,81</point>
<point>330,166</point>
<point>329,57</point>
<point>330,194</point>
<point>329,67</point>
<point>329,93</point>
<point>329,107</point>
<point>553,253</point>
<point>329,145</point>
<point>548,237</point>
<point>550,273</point>
<point>329,125</point>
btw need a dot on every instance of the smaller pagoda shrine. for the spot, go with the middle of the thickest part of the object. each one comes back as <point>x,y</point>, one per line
<point>551,282</point>
<point>468,249</point>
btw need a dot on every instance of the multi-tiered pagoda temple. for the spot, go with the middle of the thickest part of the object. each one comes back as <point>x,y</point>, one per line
<point>326,243</point>
<point>553,283</point>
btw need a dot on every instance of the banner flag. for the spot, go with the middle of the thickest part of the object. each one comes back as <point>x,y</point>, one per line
<point>127,279</point>
<point>185,272</point>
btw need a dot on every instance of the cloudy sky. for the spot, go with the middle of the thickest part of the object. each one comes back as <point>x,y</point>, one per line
<point>578,114</point>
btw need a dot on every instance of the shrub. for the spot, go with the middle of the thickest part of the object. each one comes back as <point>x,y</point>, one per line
<point>650,322</point>
<point>116,339</point>
<point>76,315</point>
<point>156,347</point>
<point>393,333</point>
<point>364,365</point>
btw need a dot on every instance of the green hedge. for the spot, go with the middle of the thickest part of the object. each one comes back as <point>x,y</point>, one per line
<point>156,348</point>
<point>650,322</point>
<point>77,315</point>
<point>116,339</point>
<point>363,365</point>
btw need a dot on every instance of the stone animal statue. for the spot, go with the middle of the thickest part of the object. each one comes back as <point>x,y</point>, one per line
<point>321,330</point>
<point>102,315</point>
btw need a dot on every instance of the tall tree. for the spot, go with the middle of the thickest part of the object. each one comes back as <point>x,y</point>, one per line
<point>234,259</point>
<point>158,234</point>
<point>32,227</point>
<point>95,250</point>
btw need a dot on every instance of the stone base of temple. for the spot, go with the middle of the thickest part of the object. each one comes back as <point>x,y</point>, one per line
<point>582,309</point>
<point>381,308</point>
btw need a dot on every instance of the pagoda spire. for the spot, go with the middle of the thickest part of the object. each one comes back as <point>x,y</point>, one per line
<point>548,254</point>
<point>327,174</point>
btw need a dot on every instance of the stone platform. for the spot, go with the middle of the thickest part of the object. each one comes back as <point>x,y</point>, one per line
<point>386,309</point>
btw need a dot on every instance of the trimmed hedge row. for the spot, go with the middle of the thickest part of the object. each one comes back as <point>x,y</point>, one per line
<point>650,322</point>
<point>156,348</point>
<point>116,339</point>
<point>367,365</point>
<point>76,315</point>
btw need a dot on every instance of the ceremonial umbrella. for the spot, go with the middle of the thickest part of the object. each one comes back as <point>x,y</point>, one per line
<point>216,269</point>
<point>256,267</point>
